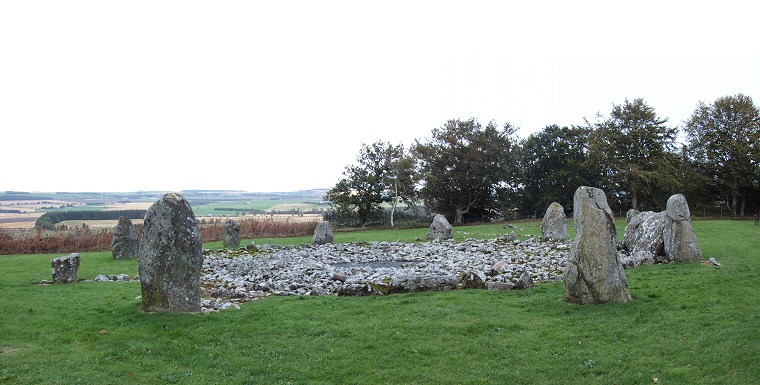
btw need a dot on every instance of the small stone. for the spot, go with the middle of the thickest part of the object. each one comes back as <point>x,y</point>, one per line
<point>124,244</point>
<point>524,282</point>
<point>65,268</point>
<point>440,229</point>
<point>500,286</point>
<point>473,280</point>
<point>231,234</point>
<point>554,224</point>
<point>323,234</point>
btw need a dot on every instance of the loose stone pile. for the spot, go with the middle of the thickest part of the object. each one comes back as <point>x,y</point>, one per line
<point>379,268</point>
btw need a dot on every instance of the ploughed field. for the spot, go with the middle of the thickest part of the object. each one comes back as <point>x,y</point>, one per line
<point>688,323</point>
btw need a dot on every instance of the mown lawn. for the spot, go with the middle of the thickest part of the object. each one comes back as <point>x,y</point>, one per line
<point>688,324</point>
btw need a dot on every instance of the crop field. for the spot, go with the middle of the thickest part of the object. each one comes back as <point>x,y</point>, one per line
<point>22,214</point>
<point>688,323</point>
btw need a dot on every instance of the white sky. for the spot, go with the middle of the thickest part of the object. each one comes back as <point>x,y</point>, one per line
<point>279,95</point>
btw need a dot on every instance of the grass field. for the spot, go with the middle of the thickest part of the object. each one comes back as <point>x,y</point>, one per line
<point>689,323</point>
<point>247,206</point>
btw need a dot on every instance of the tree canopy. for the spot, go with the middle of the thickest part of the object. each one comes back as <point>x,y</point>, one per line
<point>632,152</point>
<point>468,171</point>
<point>724,142</point>
<point>383,173</point>
<point>464,166</point>
<point>555,163</point>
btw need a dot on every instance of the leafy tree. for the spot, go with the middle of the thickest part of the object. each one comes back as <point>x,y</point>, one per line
<point>400,181</point>
<point>382,173</point>
<point>633,153</point>
<point>724,141</point>
<point>555,163</point>
<point>465,168</point>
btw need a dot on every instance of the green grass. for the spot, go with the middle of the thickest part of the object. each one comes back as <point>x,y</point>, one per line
<point>249,205</point>
<point>687,324</point>
<point>393,235</point>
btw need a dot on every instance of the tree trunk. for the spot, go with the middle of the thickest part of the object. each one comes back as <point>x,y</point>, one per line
<point>461,211</point>
<point>634,200</point>
<point>395,200</point>
<point>743,206</point>
<point>458,217</point>
<point>393,210</point>
<point>734,202</point>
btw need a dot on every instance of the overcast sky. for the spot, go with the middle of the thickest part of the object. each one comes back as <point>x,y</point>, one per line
<point>279,95</point>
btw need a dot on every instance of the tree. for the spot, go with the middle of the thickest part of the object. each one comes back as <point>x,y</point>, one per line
<point>400,181</point>
<point>464,167</point>
<point>633,152</point>
<point>382,173</point>
<point>555,163</point>
<point>724,141</point>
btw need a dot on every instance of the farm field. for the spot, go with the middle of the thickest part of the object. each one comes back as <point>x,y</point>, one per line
<point>688,323</point>
<point>19,213</point>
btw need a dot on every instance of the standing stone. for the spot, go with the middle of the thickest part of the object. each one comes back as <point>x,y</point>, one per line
<point>124,244</point>
<point>677,208</point>
<point>65,268</point>
<point>630,214</point>
<point>440,228</point>
<point>594,272</point>
<point>171,257</point>
<point>323,234</point>
<point>554,225</point>
<point>231,234</point>
<point>679,239</point>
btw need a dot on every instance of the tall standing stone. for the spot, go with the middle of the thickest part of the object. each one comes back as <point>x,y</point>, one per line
<point>594,272</point>
<point>124,244</point>
<point>171,257</point>
<point>231,233</point>
<point>554,225</point>
<point>679,238</point>
<point>65,269</point>
<point>440,228</point>
<point>323,234</point>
